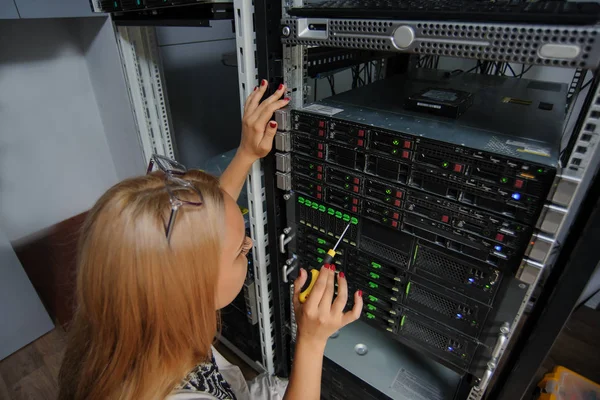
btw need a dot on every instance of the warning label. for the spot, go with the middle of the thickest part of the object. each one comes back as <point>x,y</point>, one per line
<point>414,388</point>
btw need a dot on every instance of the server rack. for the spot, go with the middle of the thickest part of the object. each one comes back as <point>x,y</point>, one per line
<point>260,31</point>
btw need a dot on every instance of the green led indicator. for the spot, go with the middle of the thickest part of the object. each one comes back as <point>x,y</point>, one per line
<point>138,2</point>
<point>387,199</point>
<point>504,180</point>
<point>370,316</point>
<point>395,151</point>
<point>301,200</point>
<point>371,308</point>
<point>311,166</point>
<point>308,203</point>
<point>464,355</point>
<point>346,218</point>
<point>321,251</point>
<point>354,220</point>
<point>315,205</point>
<point>540,170</point>
<point>402,320</point>
<point>322,208</point>
<point>346,186</point>
<point>319,260</point>
<point>388,191</point>
<point>347,177</point>
<point>373,298</point>
<point>487,286</point>
<point>445,164</point>
<point>338,214</point>
<point>373,285</point>
<point>375,265</point>
<point>321,241</point>
<point>396,142</point>
<point>384,219</point>
<point>330,211</point>
<point>408,288</point>
<point>373,275</point>
<point>473,323</point>
<point>116,4</point>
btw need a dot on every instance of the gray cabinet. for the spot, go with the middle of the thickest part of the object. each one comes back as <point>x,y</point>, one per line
<point>54,8</point>
<point>8,9</point>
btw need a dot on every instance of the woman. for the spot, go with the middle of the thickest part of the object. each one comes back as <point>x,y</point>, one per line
<point>159,256</point>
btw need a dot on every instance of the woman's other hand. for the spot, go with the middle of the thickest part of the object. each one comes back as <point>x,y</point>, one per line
<point>320,316</point>
<point>258,131</point>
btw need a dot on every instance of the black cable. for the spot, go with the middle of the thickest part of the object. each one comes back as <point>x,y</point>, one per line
<point>511,69</point>
<point>586,84</point>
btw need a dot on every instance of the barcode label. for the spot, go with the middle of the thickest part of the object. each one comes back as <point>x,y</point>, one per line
<point>323,109</point>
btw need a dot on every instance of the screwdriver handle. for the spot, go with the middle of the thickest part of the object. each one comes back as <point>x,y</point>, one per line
<point>313,274</point>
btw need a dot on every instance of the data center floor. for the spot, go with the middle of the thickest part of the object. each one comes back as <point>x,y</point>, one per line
<point>31,373</point>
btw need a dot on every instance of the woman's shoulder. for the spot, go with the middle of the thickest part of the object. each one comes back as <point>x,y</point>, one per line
<point>190,395</point>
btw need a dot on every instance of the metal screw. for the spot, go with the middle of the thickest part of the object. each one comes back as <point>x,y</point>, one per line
<point>287,196</point>
<point>505,328</point>
<point>286,31</point>
<point>287,230</point>
<point>522,286</point>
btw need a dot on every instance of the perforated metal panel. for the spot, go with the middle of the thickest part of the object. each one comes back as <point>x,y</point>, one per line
<point>561,46</point>
<point>425,334</point>
<point>384,252</point>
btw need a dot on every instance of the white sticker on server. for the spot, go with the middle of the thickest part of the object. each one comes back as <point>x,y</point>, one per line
<point>406,382</point>
<point>323,109</point>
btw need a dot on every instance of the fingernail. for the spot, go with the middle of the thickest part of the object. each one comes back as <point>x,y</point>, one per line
<point>327,266</point>
<point>273,124</point>
<point>280,86</point>
<point>287,99</point>
<point>359,293</point>
<point>255,87</point>
<point>263,82</point>
<point>341,275</point>
<point>332,267</point>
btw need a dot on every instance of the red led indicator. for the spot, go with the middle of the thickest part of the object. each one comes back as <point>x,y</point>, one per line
<point>356,181</point>
<point>354,209</point>
<point>355,202</point>
<point>458,168</point>
<point>518,183</point>
<point>398,194</point>
<point>355,189</point>
<point>319,195</point>
<point>321,124</point>
<point>319,188</point>
<point>320,154</point>
<point>445,219</point>
<point>319,176</point>
<point>360,143</point>
<point>397,203</point>
<point>407,144</point>
<point>361,133</point>
<point>320,146</point>
<point>319,168</point>
<point>396,216</point>
<point>500,237</point>
<point>405,154</point>
<point>395,224</point>
<point>321,132</point>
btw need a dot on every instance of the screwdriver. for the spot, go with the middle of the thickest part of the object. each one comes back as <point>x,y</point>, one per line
<point>314,273</point>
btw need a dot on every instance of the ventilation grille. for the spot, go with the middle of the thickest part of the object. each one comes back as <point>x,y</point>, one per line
<point>382,251</point>
<point>440,266</point>
<point>424,334</point>
<point>433,301</point>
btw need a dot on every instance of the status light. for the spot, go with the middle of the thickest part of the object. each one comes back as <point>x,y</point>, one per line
<point>450,348</point>
<point>388,191</point>
<point>396,142</point>
<point>459,316</point>
<point>498,248</point>
<point>516,196</point>
<point>373,298</point>
<point>471,280</point>
<point>445,164</point>
<point>504,180</point>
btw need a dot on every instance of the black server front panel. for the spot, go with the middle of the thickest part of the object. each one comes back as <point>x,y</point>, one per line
<point>434,227</point>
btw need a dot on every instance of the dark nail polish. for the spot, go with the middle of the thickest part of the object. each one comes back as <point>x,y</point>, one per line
<point>341,275</point>
<point>359,293</point>
<point>263,83</point>
<point>332,267</point>
<point>280,86</point>
<point>273,124</point>
<point>287,99</point>
<point>255,87</point>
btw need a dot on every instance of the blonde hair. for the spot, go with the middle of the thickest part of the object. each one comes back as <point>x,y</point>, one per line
<point>146,312</point>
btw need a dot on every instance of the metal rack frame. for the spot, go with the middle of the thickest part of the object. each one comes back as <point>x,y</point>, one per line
<point>144,75</point>
<point>567,205</point>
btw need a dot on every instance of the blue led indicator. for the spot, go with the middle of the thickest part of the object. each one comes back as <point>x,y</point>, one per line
<point>450,348</point>
<point>516,196</point>
<point>471,280</point>
<point>459,316</point>
<point>498,248</point>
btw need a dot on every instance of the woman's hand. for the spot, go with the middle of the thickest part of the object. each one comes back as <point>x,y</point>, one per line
<point>257,129</point>
<point>320,316</point>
